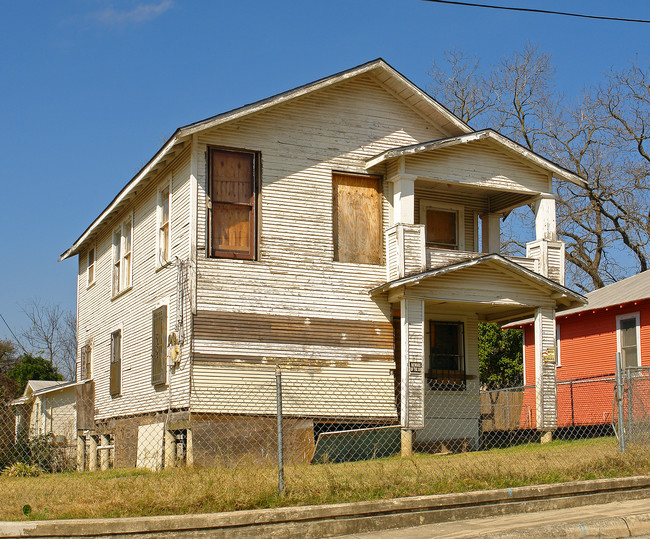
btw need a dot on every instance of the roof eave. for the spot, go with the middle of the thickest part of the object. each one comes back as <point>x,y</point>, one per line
<point>123,194</point>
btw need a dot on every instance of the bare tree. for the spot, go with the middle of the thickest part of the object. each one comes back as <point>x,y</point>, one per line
<point>602,135</point>
<point>53,333</point>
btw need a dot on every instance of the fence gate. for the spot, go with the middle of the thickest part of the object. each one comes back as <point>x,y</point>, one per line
<point>632,403</point>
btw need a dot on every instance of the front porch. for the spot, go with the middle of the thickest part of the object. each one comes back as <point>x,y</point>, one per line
<point>438,312</point>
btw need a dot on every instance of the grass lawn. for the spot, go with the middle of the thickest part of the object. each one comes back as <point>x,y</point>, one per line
<point>135,492</point>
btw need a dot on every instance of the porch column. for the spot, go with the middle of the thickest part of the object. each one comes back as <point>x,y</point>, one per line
<point>544,209</point>
<point>491,232</point>
<point>403,198</point>
<point>546,249</point>
<point>412,368</point>
<point>545,375</point>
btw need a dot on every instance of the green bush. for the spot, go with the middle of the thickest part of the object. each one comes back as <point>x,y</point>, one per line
<point>20,469</point>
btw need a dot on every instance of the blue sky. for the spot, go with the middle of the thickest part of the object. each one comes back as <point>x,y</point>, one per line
<point>90,89</point>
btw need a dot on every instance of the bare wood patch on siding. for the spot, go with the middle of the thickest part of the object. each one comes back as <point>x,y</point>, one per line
<point>245,327</point>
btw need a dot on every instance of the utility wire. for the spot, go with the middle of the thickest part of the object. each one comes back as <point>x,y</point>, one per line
<point>531,10</point>
<point>12,332</point>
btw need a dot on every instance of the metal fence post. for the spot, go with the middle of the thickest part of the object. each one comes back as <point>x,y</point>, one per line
<point>278,387</point>
<point>619,398</point>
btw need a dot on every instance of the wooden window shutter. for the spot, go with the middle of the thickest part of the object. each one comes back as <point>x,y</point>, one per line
<point>116,363</point>
<point>159,346</point>
<point>357,219</point>
<point>83,375</point>
<point>232,189</point>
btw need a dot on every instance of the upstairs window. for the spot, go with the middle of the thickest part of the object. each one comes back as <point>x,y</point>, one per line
<point>356,218</point>
<point>444,226</point>
<point>163,240</point>
<point>447,356</point>
<point>159,347</point>
<point>115,385</point>
<point>90,270</point>
<point>122,247</point>
<point>233,190</point>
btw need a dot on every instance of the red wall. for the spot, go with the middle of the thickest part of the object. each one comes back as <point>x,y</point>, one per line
<point>587,351</point>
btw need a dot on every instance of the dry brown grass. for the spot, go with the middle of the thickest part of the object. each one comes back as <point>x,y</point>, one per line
<point>117,493</point>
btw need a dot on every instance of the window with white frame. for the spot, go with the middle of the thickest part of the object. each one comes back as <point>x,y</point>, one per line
<point>122,256</point>
<point>628,339</point>
<point>90,268</point>
<point>444,225</point>
<point>163,241</point>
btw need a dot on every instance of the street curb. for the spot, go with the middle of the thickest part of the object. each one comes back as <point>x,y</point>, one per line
<point>350,518</point>
<point>628,526</point>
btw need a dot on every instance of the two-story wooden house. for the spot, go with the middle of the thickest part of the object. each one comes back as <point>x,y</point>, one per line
<point>331,230</point>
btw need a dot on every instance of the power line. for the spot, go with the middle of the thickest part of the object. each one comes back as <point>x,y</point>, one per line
<point>12,332</point>
<point>531,10</point>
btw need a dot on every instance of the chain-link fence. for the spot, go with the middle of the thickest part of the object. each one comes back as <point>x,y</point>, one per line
<point>292,418</point>
<point>636,406</point>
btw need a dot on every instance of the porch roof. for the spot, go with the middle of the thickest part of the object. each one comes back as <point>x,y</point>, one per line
<point>501,141</point>
<point>527,282</point>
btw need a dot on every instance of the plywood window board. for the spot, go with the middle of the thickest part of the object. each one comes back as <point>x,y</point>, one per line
<point>357,218</point>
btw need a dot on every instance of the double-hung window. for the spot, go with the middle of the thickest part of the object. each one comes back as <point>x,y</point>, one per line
<point>446,355</point>
<point>233,193</point>
<point>116,364</point>
<point>627,337</point>
<point>444,225</point>
<point>163,240</point>
<point>122,256</point>
<point>90,268</point>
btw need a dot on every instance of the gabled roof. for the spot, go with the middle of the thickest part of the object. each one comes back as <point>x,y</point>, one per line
<point>486,134</point>
<point>41,387</point>
<point>560,292</point>
<point>380,69</point>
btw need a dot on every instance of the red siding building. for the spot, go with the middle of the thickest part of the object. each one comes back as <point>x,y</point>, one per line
<point>616,319</point>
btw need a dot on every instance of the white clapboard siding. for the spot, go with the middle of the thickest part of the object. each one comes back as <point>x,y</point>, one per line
<point>480,164</point>
<point>99,314</point>
<point>301,143</point>
<point>483,284</point>
<point>321,392</point>
<point>451,415</point>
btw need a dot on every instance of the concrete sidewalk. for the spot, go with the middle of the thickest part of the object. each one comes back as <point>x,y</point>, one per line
<point>629,518</point>
<point>500,511</point>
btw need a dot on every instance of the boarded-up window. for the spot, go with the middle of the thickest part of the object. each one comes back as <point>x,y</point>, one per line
<point>442,228</point>
<point>116,363</point>
<point>356,219</point>
<point>232,189</point>
<point>86,353</point>
<point>159,346</point>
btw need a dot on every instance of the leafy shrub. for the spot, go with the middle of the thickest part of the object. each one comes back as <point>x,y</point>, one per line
<point>20,469</point>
